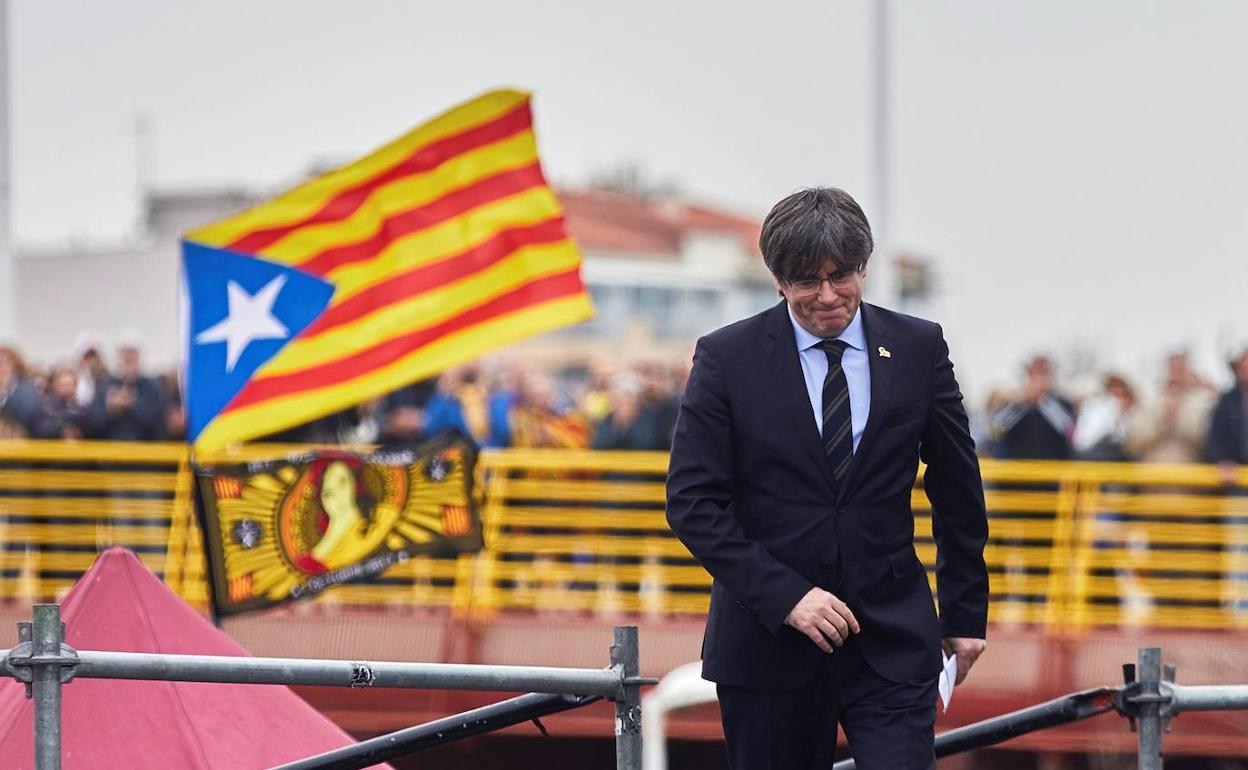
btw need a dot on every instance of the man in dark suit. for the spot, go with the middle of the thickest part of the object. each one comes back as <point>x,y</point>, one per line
<point>792,466</point>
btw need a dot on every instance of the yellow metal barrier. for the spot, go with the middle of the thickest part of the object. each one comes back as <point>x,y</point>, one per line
<point>1072,545</point>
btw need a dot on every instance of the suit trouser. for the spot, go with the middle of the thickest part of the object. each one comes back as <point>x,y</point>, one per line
<point>889,725</point>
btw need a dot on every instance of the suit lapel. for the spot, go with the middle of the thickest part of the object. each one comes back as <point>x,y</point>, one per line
<point>791,385</point>
<point>881,369</point>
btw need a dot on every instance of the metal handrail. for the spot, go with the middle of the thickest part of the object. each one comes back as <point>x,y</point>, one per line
<point>1074,707</point>
<point>44,663</point>
<point>1149,703</point>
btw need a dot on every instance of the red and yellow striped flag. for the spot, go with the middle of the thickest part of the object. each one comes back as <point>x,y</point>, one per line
<point>432,250</point>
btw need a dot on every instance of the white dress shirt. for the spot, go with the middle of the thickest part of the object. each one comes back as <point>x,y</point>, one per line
<point>853,361</point>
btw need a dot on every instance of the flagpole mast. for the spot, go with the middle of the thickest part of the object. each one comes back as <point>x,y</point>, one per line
<point>8,267</point>
<point>883,284</point>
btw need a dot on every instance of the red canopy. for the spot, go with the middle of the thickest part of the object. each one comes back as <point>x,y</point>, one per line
<point>118,605</point>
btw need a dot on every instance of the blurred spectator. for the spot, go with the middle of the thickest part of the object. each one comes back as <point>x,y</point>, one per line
<point>538,420</point>
<point>983,430</point>
<point>1035,423</point>
<point>597,403</point>
<point>401,414</point>
<point>661,404</point>
<point>365,428</point>
<point>1228,427</point>
<point>628,425</point>
<point>459,402</point>
<point>175,415</point>
<point>59,414</point>
<point>130,406</point>
<point>1172,429</point>
<point>1104,420</point>
<point>19,400</point>
<point>504,395</point>
<point>91,371</point>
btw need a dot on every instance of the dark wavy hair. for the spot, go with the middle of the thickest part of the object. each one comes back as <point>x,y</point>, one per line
<point>810,227</point>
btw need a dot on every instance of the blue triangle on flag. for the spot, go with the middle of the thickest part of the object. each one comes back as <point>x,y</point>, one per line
<point>239,311</point>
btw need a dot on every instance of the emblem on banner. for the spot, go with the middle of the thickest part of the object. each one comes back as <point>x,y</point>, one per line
<point>284,529</point>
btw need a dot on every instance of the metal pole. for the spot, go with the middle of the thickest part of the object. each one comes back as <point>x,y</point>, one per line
<point>625,657</point>
<point>1148,702</point>
<point>453,728</point>
<point>8,256</point>
<point>1064,710</point>
<point>1212,697</point>
<point>46,686</point>
<point>883,284</point>
<point>606,682</point>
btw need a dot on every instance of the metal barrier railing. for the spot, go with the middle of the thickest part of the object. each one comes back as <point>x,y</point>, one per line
<point>1072,545</point>
<point>1150,699</point>
<point>1149,704</point>
<point>45,663</point>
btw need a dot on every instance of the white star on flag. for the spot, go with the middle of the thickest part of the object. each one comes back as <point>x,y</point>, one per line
<point>250,318</point>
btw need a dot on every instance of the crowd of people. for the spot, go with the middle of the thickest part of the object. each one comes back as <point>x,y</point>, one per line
<point>497,402</point>
<point>605,405</point>
<point>1187,421</point>
<point>87,398</point>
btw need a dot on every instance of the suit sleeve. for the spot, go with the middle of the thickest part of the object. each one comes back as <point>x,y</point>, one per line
<point>700,501</point>
<point>959,520</point>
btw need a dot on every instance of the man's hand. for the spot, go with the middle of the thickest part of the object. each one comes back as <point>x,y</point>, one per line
<point>967,651</point>
<point>119,399</point>
<point>824,618</point>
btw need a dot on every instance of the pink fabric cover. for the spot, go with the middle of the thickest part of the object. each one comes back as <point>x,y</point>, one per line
<point>119,605</point>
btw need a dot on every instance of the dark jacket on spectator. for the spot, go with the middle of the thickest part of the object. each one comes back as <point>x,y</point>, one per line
<point>1228,429</point>
<point>59,418</point>
<point>1039,432</point>
<point>18,405</point>
<point>641,433</point>
<point>144,420</point>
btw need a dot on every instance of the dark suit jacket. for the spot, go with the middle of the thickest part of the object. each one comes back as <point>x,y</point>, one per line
<point>1226,442</point>
<point>750,493</point>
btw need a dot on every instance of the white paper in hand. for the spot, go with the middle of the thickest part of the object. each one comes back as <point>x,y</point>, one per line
<point>947,679</point>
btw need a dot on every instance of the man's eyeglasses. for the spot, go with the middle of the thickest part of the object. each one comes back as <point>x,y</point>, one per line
<point>839,280</point>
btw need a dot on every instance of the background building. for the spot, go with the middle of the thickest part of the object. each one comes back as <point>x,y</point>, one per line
<point>661,271</point>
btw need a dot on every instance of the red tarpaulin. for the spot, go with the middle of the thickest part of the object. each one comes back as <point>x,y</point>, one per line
<point>118,605</point>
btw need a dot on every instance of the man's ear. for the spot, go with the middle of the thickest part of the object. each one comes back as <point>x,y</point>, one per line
<point>779,290</point>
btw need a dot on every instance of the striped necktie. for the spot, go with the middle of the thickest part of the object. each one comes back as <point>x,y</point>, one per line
<point>838,430</point>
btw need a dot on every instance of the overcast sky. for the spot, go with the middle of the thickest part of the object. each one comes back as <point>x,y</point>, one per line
<point>1078,170</point>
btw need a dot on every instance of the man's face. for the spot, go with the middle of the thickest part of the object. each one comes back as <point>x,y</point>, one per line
<point>128,358</point>
<point>825,311</point>
<point>65,384</point>
<point>91,360</point>
<point>1040,373</point>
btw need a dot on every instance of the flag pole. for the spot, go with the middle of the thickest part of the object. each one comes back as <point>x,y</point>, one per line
<point>883,284</point>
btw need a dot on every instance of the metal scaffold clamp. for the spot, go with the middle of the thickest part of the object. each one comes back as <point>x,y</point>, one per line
<point>1134,696</point>
<point>22,661</point>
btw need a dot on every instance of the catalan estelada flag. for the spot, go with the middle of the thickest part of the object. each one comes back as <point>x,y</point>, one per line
<point>434,249</point>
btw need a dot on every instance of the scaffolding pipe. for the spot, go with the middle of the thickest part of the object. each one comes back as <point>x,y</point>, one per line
<point>607,682</point>
<point>1147,702</point>
<point>46,686</point>
<point>624,656</point>
<point>1059,711</point>
<point>432,734</point>
<point>1211,697</point>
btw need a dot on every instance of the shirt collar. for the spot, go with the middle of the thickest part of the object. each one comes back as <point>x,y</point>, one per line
<point>854,335</point>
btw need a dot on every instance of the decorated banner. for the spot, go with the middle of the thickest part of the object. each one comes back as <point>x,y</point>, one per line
<point>426,253</point>
<point>288,529</point>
